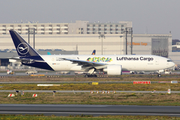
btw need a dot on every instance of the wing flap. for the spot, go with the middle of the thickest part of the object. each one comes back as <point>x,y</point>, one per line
<point>87,64</point>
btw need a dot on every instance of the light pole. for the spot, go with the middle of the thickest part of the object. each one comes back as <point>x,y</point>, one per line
<point>101,36</point>
<point>120,45</point>
<point>131,41</point>
<point>31,31</point>
<point>126,40</point>
<point>127,31</point>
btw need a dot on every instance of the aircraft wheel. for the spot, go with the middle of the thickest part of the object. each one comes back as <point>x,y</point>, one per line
<point>94,75</point>
<point>159,75</point>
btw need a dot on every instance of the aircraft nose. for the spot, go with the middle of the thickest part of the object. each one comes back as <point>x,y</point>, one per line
<point>173,64</point>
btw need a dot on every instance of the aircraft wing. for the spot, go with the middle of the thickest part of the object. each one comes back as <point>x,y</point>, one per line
<point>87,64</point>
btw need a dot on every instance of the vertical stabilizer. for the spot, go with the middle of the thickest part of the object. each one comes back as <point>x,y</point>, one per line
<point>22,47</point>
<point>94,52</point>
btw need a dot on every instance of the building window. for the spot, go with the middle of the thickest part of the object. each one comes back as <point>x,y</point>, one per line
<point>88,33</point>
<point>116,25</point>
<point>58,32</point>
<point>93,25</point>
<point>105,25</point>
<point>66,25</point>
<point>50,25</point>
<point>11,25</point>
<point>81,32</point>
<point>122,25</point>
<point>42,25</point>
<point>27,25</point>
<point>19,25</point>
<point>4,25</point>
<point>110,25</point>
<point>35,25</point>
<point>99,25</point>
<point>93,32</point>
<point>87,25</point>
<point>58,25</point>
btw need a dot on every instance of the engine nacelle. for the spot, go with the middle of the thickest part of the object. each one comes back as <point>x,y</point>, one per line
<point>113,70</point>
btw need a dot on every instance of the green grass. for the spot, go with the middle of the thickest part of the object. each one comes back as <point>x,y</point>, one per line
<point>86,86</point>
<point>94,99</point>
<point>84,117</point>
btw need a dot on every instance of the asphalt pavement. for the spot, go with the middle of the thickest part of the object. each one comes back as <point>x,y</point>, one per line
<point>94,110</point>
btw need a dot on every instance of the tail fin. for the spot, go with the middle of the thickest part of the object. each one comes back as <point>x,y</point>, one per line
<point>22,47</point>
<point>48,53</point>
<point>94,52</point>
<point>28,55</point>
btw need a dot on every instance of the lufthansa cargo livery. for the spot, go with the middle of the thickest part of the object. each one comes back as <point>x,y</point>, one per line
<point>90,64</point>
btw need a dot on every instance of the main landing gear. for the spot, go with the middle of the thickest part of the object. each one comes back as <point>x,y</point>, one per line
<point>90,75</point>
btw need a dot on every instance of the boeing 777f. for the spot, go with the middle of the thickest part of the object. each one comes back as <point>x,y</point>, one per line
<point>111,64</point>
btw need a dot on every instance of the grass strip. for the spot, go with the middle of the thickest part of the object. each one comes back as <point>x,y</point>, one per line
<point>158,99</point>
<point>86,86</point>
<point>84,117</point>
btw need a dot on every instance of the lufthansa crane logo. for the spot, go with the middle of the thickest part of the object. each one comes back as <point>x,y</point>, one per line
<point>23,48</point>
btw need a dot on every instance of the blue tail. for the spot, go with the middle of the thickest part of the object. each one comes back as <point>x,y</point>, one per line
<point>22,47</point>
<point>28,55</point>
<point>94,52</point>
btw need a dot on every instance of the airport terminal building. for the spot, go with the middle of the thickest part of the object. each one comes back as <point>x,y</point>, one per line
<point>82,37</point>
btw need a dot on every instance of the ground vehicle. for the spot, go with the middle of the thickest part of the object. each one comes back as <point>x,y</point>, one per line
<point>10,72</point>
<point>31,72</point>
<point>167,71</point>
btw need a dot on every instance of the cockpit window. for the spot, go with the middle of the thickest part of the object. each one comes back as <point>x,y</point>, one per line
<point>169,60</point>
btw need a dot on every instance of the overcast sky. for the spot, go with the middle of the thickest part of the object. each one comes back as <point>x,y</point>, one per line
<point>147,16</point>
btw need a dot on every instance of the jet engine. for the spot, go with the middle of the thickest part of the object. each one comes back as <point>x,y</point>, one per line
<point>113,70</point>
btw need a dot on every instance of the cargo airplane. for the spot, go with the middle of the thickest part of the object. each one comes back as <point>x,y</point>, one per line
<point>91,64</point>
